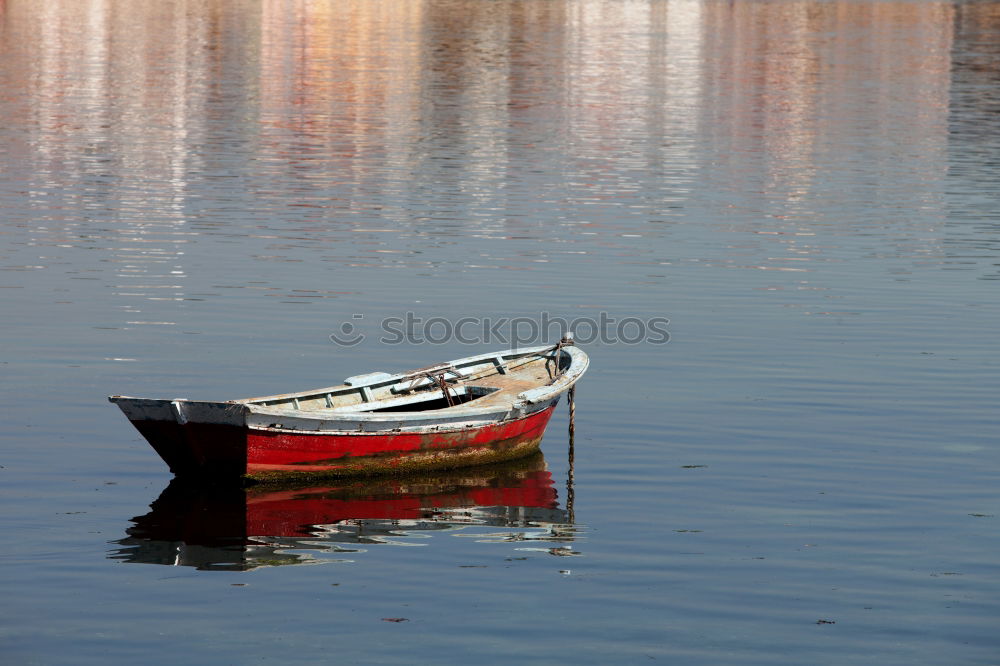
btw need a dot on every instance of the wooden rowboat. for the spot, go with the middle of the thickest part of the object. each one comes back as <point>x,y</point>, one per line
<point>470,411</point>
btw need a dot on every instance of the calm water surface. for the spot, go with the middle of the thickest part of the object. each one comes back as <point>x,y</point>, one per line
<point>195,195</point>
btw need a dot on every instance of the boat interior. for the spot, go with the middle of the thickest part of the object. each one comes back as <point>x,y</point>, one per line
<point>485,379</point>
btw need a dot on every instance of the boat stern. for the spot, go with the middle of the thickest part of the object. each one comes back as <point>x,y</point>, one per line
<point>193,438</point>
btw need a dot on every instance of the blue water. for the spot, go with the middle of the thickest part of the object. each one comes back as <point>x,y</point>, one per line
<point>195,196</point>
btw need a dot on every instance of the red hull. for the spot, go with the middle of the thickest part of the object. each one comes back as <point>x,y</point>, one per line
<point>230,450</point>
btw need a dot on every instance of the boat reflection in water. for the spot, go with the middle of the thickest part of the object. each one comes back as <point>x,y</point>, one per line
<point>233,528</point>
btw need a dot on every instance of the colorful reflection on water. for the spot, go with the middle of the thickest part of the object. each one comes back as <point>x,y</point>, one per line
<point>195,194</point>
<point>234,528</point>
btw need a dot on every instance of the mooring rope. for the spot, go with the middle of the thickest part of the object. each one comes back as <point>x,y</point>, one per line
<point>443,384</point>
<point>570,495</point>
<point>556,357</point>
